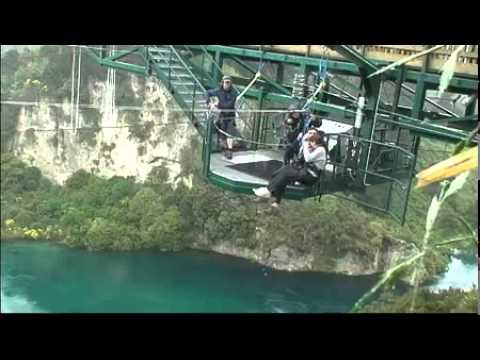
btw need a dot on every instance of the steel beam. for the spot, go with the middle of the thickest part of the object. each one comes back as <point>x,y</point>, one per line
<point>280,73</point>
<point>137,69</point>
<point>405,122</point>
<point>315,105</point>
<point>266,79</point>
<point>122,53</point>
<point>470,108</point>
<point>217,71</point>
<point>398,91</point>
<point>460,84</point>
<point>426,129</point>
<point>419,100</point>
<point>358,59</point>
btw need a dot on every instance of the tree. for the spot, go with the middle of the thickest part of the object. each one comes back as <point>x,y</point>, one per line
<point>78,180</point>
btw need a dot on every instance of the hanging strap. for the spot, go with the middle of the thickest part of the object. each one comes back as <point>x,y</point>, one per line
<point>322,73</point>
<point>322,69</point>
<point>257,75</point>
<point>309,101</point>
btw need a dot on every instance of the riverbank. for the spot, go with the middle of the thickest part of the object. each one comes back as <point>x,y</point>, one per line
<point>281,259</point>
<point>35,279</point>
<point>122,214</point>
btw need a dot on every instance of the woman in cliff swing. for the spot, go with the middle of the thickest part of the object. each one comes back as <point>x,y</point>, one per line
<point>313,153</point>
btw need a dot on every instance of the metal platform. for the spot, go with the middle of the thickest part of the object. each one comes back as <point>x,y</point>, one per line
<point>268,160</point>
<point>222,167</point>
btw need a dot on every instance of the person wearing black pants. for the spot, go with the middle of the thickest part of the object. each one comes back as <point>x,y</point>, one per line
<point>315,157</point>
<point>288,175</point>
<point>226,103</point>
<point>294,126</point>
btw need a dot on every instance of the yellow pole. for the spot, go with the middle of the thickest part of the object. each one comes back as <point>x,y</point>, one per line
<point>465,161</point>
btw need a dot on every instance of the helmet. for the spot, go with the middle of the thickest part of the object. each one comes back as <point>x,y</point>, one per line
<point>315,122</point>
<point>292,108</point>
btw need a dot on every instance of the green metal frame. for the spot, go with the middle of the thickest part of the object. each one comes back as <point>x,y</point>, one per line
<point>270,82</point>
<point>222,52</point>
<point>274,90</point>
<point>467,85</point>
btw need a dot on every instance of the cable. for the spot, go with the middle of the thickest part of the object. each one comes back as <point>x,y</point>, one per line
<point>78,89</point>
<point>73,86</point>
<point>242,139</point>
<point>138,108</point>
<point>82,47</point>
<point>375,116</point>
<point>98,128</point>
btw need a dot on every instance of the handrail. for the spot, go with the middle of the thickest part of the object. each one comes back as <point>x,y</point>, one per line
<point>187,68</point>
<point>211,58</point>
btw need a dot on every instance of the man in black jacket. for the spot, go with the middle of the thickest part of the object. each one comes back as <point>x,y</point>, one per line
<point>293,127</point>
<point>225,102</point>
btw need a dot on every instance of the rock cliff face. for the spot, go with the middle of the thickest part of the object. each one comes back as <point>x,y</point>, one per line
<point>118,148</point>
<point>342,262</point>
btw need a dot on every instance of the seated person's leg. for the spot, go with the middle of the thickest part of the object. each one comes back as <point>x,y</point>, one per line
<point>304,177</point>
<point>279,183</point>
<point>276,172</point>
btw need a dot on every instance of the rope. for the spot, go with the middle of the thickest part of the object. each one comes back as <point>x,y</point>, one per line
<point>81,47</point>
<point>373,132</point>
<point>72,93</point>
<point>155,124</point>
<point>243,140</point>
<point>257,76</point>
<point>138,108</point>
<point>311,98</point>
<point>98,128</point>
<point>110,88</point>
<point>78,88</point>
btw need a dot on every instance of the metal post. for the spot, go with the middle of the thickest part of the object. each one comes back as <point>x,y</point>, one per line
<point>470,108</point>
<point>207,148</point>
<point>258,120</point>
<point>303,71</point>
<point>193,102</point>
<point>421,90</point>
<point>419,100</point>
<point>396,101</point>
<point>219,61</point>
<point>148,61</point>
<point>398,91</point>
<point>417,112</point>
<point>374,98</point>
<point>103,53</point>
<point>280,73</point>
<point>170,70</point>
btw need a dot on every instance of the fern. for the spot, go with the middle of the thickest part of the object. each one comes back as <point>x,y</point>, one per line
<point>448,70</point>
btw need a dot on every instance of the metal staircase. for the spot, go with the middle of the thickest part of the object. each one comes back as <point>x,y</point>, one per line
<point>177,74</point>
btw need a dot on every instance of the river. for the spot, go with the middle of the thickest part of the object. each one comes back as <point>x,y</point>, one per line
<point>44,277</point>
